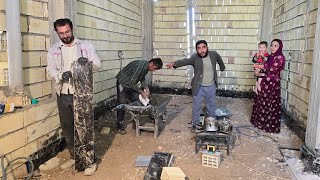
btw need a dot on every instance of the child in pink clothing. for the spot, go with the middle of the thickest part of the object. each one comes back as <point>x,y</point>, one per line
<point>260,57</point>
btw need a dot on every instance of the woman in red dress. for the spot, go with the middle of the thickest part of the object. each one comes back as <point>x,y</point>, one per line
<point>267,103</point>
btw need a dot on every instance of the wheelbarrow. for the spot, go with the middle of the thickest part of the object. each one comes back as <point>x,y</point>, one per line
<point>155,111</point>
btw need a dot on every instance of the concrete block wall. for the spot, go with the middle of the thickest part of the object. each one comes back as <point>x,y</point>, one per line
<point>3,46</point>
<point>230,27</point>
<point>35,40</point>
<point>27,131</point>
<point>295,23</point>
<point>114,27</point>
<point>31,129</point>
<point>171,41</point>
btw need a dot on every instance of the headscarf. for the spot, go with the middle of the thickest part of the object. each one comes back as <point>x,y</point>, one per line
<point>279,51</point>
<point>275,54</point>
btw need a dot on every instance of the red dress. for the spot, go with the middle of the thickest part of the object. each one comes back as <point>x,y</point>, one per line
<point>267,103</point>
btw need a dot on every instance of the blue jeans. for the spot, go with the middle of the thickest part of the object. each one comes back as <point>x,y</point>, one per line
<point>209,93</point>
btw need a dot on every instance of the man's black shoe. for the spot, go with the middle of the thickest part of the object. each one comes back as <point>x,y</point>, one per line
<point>122,131</point>
<point>193,129</point>
<point>199,125</point>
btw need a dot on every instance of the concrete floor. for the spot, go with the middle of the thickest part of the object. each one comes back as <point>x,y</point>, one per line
<point>251,158</point>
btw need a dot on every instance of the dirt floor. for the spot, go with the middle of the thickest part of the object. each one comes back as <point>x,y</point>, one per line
<point>250,158</point>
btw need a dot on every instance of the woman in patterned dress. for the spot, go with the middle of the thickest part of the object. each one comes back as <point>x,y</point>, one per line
<point>267,103</point>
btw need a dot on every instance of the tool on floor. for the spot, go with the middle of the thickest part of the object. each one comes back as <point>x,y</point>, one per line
<point>211,149</point>
<point>157,162</point>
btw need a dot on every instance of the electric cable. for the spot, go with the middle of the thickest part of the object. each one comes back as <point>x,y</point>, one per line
<point>257,171</point>
<point>4,169</point>
<point>249,127</point>
<point>248,154</point>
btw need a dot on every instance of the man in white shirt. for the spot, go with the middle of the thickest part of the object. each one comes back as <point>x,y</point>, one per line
<point>60,60</point>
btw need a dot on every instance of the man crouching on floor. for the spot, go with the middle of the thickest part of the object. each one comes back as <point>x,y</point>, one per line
<point>127,88</point>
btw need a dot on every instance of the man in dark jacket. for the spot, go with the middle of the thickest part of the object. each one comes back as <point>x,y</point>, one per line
<point>204,82</point>
<point>127,85</point>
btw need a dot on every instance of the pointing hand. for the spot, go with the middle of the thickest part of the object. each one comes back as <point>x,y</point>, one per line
<point>170,65</point>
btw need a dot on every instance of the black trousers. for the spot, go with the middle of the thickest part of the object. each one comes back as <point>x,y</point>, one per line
<point>65,107</point>
<point>124,96</point>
